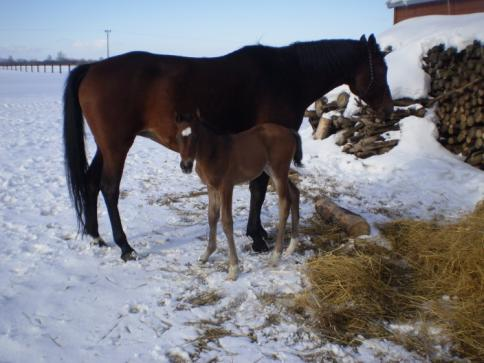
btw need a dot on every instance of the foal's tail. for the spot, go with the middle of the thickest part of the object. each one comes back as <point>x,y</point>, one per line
<point>74,149</point>
<point>298,155</point>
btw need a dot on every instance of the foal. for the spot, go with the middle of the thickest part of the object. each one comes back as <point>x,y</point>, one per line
<point>226,160</point>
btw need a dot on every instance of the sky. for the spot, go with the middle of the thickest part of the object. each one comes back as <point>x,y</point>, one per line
<point>36,29</point>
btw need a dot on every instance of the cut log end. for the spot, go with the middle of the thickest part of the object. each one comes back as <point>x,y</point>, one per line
<point>353,224</point>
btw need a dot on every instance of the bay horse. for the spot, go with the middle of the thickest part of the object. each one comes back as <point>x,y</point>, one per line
<point>223,161</point>
<point>137,94</point>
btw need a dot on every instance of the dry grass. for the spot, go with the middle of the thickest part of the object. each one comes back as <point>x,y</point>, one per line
<point>449,274</point>
<point>434,276</point>
<point>210,297</point>
<point>324,236</point>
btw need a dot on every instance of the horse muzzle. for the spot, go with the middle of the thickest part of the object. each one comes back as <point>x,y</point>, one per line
<point>186,166</point>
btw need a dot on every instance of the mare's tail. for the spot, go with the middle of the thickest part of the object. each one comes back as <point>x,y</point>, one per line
<point>74,149</point>
<point>298,155</point>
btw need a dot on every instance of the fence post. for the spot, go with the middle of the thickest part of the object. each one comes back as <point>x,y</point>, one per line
<point>60,68</point>
<point>52,68</point>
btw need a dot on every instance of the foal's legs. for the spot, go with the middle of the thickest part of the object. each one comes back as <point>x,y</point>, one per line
<point>213,216</point>
<point>227,222</point>
<point>258,189</point>
<point>282,187</point>
<point>93,187</point>
<point>113,164</point>
<point>294,194</point>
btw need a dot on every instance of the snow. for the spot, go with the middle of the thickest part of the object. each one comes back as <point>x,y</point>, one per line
<point>412,38</point>
<point>63,300</point>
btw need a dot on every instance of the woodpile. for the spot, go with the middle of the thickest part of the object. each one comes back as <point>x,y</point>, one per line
<point>458,89</point>
<point>362,134</point>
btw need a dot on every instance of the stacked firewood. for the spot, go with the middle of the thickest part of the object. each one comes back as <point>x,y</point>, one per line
<point>362,134</point>
<point>458,89</point>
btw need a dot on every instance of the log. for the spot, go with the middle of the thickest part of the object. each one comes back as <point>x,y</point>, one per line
<point>352,223</point>
<point>323,130</point>
<point>342,99</point>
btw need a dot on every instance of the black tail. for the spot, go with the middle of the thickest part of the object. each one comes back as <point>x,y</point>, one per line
<point>74,149</point>
<point>298,155</point>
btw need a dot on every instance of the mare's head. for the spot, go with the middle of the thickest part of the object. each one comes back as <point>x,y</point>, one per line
<point>370,80</point>
<point>187,139</point>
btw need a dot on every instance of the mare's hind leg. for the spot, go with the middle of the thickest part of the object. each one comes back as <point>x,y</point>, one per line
<point>93,188</point>
<point>213,216</point>
<point>282,187</point>
<point>294,194</point>
<point>113,164</point>
<point>258,189</point>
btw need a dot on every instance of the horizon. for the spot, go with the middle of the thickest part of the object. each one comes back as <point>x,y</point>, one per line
<point>36,30</point>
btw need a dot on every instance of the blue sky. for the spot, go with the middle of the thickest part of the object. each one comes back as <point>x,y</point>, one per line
<point>36,29</point>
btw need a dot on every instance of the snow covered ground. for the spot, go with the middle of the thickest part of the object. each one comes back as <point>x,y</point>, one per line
<point>61,300</point>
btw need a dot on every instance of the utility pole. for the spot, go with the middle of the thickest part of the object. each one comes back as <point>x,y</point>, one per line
<point>107,41</point>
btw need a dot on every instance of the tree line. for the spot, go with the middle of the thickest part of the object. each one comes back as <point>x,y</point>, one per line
<point>60,59</point>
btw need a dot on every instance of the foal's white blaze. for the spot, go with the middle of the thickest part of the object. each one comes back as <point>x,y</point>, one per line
<point>186,132</point>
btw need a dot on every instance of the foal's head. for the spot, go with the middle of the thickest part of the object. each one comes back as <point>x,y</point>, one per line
<point>370,81</point>
<point>187,139</point>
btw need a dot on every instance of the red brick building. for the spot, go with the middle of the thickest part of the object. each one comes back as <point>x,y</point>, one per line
<point>405,9</point>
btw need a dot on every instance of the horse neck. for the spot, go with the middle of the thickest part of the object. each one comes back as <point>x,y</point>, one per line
<point>326,64</point>
<point>209,146</point>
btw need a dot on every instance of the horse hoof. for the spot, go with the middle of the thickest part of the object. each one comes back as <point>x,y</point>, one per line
<point>233,273</point>
<point>204,257</point>
<point>259,246</point>
<point>263,233</point>
<point>129,256</point>
<point>275,257</point>
<point>99,242</point>
<point>292,247</point>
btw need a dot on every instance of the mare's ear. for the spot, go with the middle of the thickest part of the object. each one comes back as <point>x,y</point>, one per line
<point>371,40</point>
<point>198,114</point>
<point>178,117</point>
<point>363,38</point>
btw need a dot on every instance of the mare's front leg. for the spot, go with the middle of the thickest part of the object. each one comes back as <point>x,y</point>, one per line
<point>228,226</point>
<point>213,216</point>
<point>258,189</point>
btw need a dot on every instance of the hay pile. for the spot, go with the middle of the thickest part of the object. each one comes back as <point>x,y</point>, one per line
<point>433,279</point>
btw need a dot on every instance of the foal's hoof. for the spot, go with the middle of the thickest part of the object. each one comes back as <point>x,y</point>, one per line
<point>233,273</point>
<point>98,242</point>
<point>129,256</point>
<point>275,257</point>
<point>292,247</point>
<point>204,257</point>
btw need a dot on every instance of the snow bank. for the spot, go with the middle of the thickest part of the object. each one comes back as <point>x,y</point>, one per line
<point>412,38</point>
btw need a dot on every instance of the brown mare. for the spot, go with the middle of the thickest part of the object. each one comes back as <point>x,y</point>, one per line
<point>138,93</point>
<point>224,161</point>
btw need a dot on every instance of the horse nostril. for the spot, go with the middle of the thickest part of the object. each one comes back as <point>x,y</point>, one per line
<point>186,166</point>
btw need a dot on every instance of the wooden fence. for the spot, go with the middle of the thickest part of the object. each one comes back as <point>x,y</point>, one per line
<point>46,67</point>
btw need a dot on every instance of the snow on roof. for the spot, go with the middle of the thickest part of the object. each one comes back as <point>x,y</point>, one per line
<point>412,38</point>
<point>400,3</point>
